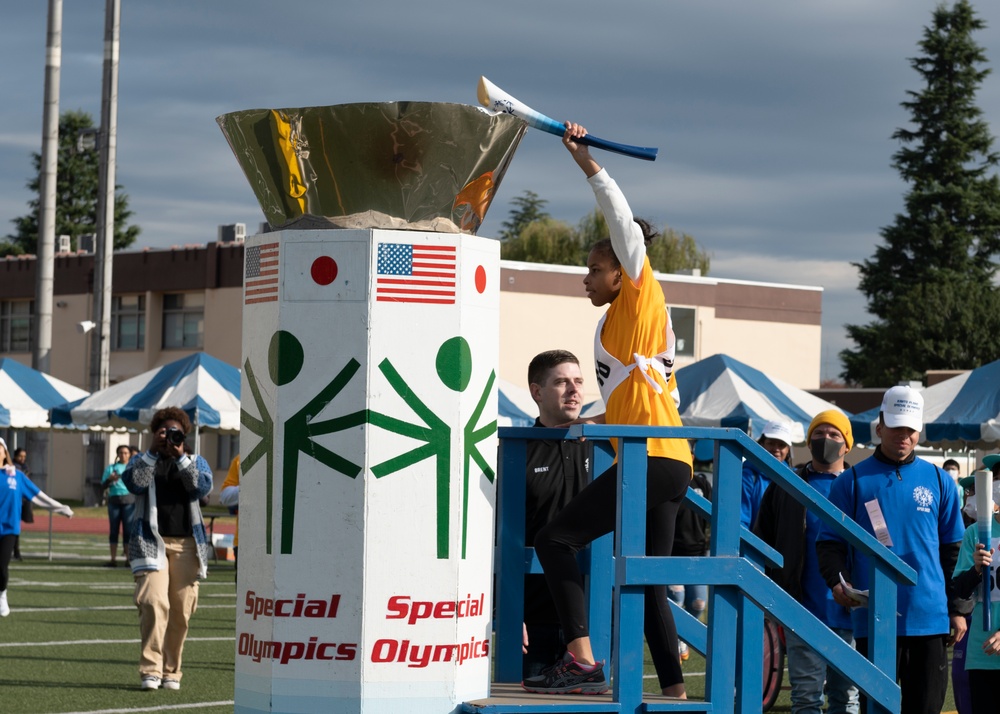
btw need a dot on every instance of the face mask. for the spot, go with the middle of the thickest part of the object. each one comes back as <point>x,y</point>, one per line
<point>825,451</point>
<point>970,509</point>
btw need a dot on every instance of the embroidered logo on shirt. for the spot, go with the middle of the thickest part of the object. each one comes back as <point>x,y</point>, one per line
<point>924,498</point>
<point>541,469</point>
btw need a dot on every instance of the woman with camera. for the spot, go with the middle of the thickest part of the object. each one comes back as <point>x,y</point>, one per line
<point>168,548</point>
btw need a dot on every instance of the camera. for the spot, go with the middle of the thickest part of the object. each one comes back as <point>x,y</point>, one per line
<point>175,436</point>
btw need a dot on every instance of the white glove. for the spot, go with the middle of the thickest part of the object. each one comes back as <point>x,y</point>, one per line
<point>45,501</point>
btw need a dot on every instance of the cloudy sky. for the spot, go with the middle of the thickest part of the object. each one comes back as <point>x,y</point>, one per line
<point>773,119</point>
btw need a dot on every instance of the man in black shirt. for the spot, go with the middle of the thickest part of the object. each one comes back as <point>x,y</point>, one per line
<point>556,472</point>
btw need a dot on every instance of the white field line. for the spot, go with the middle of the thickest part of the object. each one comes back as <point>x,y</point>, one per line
<point>34,610</point>
<point>161,708</point>
<point>42,565</point>
<point>127,584</point>
<point>76,643</point>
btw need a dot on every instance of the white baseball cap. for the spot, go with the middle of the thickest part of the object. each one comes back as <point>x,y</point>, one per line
<point>903,406</point>
<point>778,430</point>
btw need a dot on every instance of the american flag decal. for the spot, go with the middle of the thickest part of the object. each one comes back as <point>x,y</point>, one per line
<point>415,273</point>
<point>261,274</point>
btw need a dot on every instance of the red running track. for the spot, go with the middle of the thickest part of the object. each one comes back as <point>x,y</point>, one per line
<point>90,524</point>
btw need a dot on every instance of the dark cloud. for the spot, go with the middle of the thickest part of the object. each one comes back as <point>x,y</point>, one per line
<point>773,119</point>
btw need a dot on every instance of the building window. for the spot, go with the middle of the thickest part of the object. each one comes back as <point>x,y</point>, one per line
<point>16,325</point>
<point>128,322</point>
<point>183,321</point>
<point>682,320</point>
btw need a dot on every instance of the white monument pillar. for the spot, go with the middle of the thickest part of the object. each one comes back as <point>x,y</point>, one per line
<point>368,450</point>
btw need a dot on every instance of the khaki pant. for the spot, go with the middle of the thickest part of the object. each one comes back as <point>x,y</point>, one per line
<point>166,600</point>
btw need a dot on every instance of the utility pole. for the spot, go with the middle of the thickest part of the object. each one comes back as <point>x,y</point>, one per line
<point>104,250</point>
<point>100,336</point>
<point>44,263</point>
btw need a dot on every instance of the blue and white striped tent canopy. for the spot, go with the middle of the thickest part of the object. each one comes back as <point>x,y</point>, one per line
<point>206,388</point>
<point>961,412</point>
<point>724,392</point>
<point>26,395</point>
<point>515,406</point>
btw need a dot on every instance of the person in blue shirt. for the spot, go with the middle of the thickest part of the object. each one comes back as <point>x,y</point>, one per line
<point>776,438</point>
<point>18,487</point>
<point>911,506</point>
<point>786,525</point>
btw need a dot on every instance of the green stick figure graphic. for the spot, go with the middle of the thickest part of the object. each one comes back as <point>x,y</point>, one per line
<point>285,358</point>
<point>454,368</point>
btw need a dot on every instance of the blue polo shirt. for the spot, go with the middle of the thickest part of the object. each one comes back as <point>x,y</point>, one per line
<point>17,487</point>
<point>921,510</point>
<point>817,598</point>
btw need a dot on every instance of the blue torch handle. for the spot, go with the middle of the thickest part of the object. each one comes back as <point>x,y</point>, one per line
<point>987,602</point>
<point>646,153</point>
<point>985,539</point>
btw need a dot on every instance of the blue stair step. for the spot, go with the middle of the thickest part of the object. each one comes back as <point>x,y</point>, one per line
<point>509,697</point>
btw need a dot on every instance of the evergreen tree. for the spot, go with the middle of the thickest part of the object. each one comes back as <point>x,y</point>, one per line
<point>528,207</point>
<point>930,285</point>
<point>77,189</point>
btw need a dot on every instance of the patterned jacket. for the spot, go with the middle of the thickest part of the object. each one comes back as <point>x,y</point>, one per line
<point>146,549</point>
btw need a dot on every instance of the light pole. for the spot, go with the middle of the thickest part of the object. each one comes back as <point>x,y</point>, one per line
<point>100,337</point>
<point>104,250</point>
<point>44,264</point>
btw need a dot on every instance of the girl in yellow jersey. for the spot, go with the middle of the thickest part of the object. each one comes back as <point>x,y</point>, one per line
<point>634,355</point>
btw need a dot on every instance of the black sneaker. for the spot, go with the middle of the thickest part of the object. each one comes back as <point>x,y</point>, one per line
<point>568,677</point>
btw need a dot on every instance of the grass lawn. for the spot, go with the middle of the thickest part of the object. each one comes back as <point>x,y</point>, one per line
<point>71,642</point>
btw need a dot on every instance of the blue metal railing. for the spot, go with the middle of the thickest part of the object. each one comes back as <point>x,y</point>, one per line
<point>740,593</point>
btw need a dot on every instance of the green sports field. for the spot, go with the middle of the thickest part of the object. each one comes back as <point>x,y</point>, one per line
<point>71,642</point>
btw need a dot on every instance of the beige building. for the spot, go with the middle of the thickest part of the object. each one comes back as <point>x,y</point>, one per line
<point>775,328</point>
<point>168,304</point>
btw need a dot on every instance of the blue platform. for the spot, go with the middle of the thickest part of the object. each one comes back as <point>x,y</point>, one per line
<point>740,593</point>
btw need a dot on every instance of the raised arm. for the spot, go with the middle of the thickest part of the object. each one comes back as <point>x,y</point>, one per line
<point>626,236</point>
<point>43,500</point>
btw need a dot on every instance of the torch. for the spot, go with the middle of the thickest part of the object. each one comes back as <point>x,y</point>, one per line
<point>984,514</point>
<point>499,102</point>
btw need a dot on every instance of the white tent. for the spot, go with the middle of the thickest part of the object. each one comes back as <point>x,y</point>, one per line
<point>27,395</point>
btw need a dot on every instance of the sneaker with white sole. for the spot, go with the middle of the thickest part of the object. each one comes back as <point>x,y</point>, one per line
<point>4,607</point>
<point>169,683</point>
<point>150,681</point>
<point>567,676</point>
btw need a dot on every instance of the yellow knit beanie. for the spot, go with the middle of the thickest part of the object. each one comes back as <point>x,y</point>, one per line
<point>836,418</point>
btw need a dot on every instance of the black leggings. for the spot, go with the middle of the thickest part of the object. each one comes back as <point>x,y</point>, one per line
<point>921,670</point>
<point>590,515</point>
<point>6,551</point>
<point>983,690</point>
